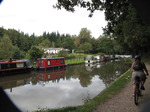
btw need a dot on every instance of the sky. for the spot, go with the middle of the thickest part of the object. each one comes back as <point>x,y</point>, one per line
<point>38,16</point>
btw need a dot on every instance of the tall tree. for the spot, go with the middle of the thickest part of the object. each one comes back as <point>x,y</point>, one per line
<point>35,53</point>
<point>2,31</point>
<point>45,43</point>
<point>84,35</point>
<point>18,54</point>
<point>86,47</point>
<point>68,43</point>
<point>6,48</point>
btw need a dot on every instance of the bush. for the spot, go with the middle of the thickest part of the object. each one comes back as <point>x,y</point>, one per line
<point>101,54</point>
<point>62,54</point>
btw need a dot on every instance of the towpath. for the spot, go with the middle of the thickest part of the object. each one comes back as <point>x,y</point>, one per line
<point>123,101</point>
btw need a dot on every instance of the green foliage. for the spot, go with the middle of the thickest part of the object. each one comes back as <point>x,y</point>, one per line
<point>35,53</point>
<point>68,43</point>
<point>18,54</point>
<point>124,24</point>
<point>83,43</point>
<point>58,110</point>
<point>45,43</point>
<point>86,47</point>
<point>71,56</point>
<point>6,48</point>
<point>74,61</point>
<point>108,45</point>
<point>2,31</point>
<point>79,51</point>
<point>62,54</point>
<point>101,54</point>
<point>84,35</point>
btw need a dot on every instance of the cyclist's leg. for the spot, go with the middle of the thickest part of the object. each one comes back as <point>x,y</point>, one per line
<point>134,81</point>
<point>143,78</point>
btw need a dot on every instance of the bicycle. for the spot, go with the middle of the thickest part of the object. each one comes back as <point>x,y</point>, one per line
<point>138,91</point>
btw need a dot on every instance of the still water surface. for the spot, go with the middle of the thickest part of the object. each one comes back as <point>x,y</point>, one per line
<point>56,89</point>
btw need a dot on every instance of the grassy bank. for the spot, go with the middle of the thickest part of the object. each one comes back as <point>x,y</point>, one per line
<point>108,93</point>
<point>74,61</point>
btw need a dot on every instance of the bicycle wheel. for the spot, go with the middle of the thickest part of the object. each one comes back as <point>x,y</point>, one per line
<point>136,97</point>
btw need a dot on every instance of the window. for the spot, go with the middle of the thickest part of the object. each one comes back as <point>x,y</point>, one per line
<point>41,63</point>
<point>48,62</point>
<point>61,61</point>
<point>49,76</point>
<point>20,65</point>
<point>12,65</point>
<point>56,61</point>
<point>4,66</point>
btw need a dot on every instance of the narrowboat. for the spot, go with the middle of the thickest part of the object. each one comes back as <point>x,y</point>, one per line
<point>14,66</point>
<point>90,59</point>
<point>98,58</point>
<point>48,63</point>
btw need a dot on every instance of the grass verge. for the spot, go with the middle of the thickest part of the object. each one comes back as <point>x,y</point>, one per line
<point>108,93</point>
<point>74,61</point>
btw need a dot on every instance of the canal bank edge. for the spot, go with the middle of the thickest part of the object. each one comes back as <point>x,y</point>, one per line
<point>105,95</point>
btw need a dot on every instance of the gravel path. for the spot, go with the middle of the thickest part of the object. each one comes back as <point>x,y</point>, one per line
<point>123,102</point>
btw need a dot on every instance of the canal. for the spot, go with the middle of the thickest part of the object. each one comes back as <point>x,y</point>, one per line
<point>60,88</point>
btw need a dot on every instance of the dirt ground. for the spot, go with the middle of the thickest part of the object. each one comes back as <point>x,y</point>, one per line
<point>124,102</point>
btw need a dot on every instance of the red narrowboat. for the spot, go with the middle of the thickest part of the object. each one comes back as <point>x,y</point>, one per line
<point>14,66</point>
<point>46,63</point>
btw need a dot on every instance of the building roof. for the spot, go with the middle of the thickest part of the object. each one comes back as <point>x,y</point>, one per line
<point>53,48</point>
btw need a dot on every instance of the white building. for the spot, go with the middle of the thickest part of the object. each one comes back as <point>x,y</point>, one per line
<point>53,51</point>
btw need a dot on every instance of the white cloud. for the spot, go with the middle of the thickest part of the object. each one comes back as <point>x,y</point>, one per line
<point>37,16</point>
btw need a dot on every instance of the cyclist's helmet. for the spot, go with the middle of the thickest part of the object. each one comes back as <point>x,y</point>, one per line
<point>137,57</point>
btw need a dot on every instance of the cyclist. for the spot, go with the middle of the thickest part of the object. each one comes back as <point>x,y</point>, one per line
<point>139,69</point>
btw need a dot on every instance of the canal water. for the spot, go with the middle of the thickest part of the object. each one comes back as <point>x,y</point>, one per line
<point>72,86</point>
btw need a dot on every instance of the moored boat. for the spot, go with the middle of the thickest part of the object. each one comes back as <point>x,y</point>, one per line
<point>47,63</point>
<point>14,66</point>
<point>90,59</point>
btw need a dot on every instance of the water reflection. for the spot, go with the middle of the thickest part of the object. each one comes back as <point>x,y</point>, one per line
<point>54,76</point>
<point>66,87</point>
<point>90,67</point>
<point>9,82</point>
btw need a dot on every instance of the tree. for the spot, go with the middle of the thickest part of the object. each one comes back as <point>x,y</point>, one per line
<point>70,4</point>
<point>62,54</point>
<point>86,47</point>
<point>123,22</point>
<point>108,45</point>
<point>77,42</point>
<point>95,43</point>
<point>82,39</point>
<point>17,54</point>
<point>6,48</point>
<point>68,43</point>
<point>45,43</point>
<point>2,31</point>
<point>84,35</point>
<point>132,34</point>
<point>35,53</point>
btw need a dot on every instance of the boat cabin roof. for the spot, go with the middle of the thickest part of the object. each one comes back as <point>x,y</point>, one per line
<point>51,58</point>
<point>89,57</point>
<point>13,61</point>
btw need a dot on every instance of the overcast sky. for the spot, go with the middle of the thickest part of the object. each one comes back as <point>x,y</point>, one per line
<point>37,16</point>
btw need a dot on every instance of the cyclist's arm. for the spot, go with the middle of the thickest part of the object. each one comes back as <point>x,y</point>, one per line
<point>132,68</point>
<point>145,69</point>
